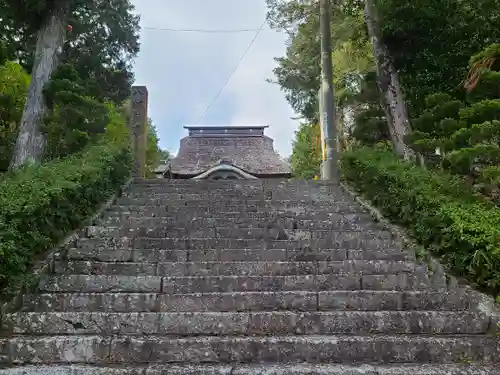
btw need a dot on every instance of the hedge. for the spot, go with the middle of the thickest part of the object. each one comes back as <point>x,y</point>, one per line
<point>441,212</point>
<point>41,205</point>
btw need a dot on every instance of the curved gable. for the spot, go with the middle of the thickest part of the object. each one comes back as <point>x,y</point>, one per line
<point>225,171</point>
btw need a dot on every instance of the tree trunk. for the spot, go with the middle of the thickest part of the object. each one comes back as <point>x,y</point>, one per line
<point>393,101</point>
<point>31,141</point>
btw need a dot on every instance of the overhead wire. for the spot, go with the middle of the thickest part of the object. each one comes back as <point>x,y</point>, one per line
<point>206,31</point>
<point>258,31</point>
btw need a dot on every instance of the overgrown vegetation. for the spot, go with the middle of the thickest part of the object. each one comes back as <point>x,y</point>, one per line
<point>466,133</point>
<point>443,214</point>
<point>40,205</point>
<point>14,82</point>
<point>306,154</point>
<point>427,44</point>
<point>64,140</point>
<point>404,76</point>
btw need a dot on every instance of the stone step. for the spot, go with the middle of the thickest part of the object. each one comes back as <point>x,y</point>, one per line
<point>351,241</point>
<point>338,232</point>
<point>282,369</point>
<point>346,240</point>
<point>193,200</point>
<point>155,255</point>
<point>243,198</point>
<point>247,324</point>
<point>354,300</point>
<point>323,194</point>
<point>237,184</point>
<point>277,268</point>
<point>245,186</point>
<point>237,205</point>
<point>222,183</point>
<point>210,284</point>
<point>279,216</point>
<point>280,349</point>
<point>125,223</point>
<point>237,231</point>
<point>319,192</point>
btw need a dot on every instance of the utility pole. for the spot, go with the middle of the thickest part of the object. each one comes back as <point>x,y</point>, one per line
<point>329,167</point>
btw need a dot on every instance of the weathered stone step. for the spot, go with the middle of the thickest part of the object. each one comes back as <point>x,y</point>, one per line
<point>280,216</point>
<point>337,235</point>
<point>237,231</point>
<point>279,349</point>
<point>323,195</point>
<point>338,231</point>
<point>247,324</point>
<point>224,201</point>
<point>282,369</point>
<point>346,240</point>
<point>241,191</point>
<point>319,193</point>
<point>209,284</point>
<point>269,268</point>
<point>126,222</point>
<point>314,246</point>
<point>155,255</point>
<point>355,300</point>
<point>243,186</point>
<point>251,301</point>
<point>237,205</point>
<point>240,197</point>
<point>260,184</point>
<point>273,182</point>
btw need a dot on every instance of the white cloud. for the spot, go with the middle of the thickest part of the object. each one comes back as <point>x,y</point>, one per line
<point>183,71</point>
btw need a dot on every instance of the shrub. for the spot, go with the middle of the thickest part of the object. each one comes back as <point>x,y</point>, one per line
<point>443,214</point>
<point>41,205</point>
<point>75,119</point>
<point>14,83</point>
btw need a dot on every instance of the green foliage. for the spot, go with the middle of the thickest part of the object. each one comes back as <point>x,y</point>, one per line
<point>33,12</point>
<point>154,154</point>
<point>370,126</point>
<point>164,155</point>
<point>432,41</point>
<point>298,72</point>
<point>40,205</point>
<point>86,127</point>
<point>14,83</point>
<point>101,46</point>
<point>306,154</point>
<point>76,119</point>
<point>117,131</point>
<point>152,147</point>
<point>467,134</point>
<point>441,213</point>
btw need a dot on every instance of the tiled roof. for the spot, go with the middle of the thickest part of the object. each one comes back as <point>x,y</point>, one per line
<point>253,154</point>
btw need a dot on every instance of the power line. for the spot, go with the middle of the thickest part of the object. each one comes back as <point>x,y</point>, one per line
<point>207,31</point>
<point>232,73</point>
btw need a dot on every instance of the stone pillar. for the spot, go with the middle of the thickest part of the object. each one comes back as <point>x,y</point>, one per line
<point>139,129</point>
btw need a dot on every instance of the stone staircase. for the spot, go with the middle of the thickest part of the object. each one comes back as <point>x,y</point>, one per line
<point>245,278</point>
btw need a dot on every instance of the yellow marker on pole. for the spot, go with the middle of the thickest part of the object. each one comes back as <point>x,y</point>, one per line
<point>322,127</point>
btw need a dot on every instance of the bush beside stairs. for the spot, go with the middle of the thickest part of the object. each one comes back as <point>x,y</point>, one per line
<point>245,278</point>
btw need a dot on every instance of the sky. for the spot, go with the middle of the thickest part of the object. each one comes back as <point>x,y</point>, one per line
<point>184,71</point>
